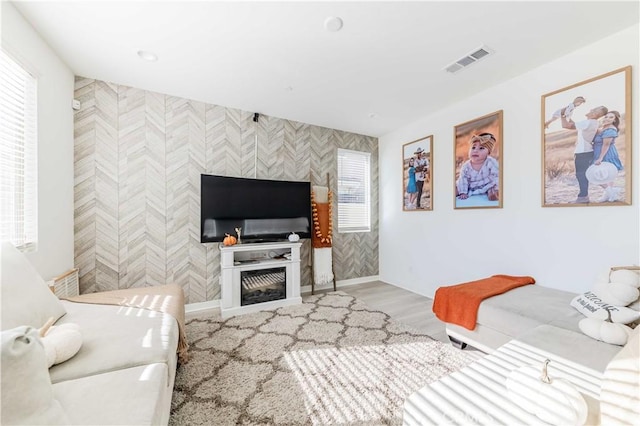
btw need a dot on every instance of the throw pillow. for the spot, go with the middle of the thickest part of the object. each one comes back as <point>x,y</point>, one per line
<point>592,306</point>
<point>27,393</point>
<point>61,342</point>
<point>608,332</point>
<point>26,299</point>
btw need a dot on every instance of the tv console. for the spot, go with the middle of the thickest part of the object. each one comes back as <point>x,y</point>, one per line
<point>263,240</point>
<point>258,276</point>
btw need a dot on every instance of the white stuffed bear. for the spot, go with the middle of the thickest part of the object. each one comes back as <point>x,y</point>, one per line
<point>60,342</point>
<point>608,332</point>
<point>618,286</point>
<point>618,294</point>
<point>625,276</point>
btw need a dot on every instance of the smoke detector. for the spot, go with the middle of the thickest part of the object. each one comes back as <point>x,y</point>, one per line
<point>469,59</point>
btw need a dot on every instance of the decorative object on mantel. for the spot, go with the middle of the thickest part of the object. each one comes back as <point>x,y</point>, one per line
<point>321,236</point>
<point>293,237</point>
<point>239,232</point>
<point>229,240</point>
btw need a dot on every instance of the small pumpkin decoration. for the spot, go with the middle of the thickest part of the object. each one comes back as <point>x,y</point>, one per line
<point>229,240</point>
<point>293,237</point>
<point>555,401</point>
<point>605,330</point>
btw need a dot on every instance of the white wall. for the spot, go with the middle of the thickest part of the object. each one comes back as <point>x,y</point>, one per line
<point>55,142</point>
<point>563,248</point>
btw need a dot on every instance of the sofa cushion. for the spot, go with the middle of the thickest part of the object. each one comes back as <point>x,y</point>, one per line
<point>26,298</point>
<point>524,308</point>
<point>117,337</point>
<point>131,396</point>
<point>27,394</point>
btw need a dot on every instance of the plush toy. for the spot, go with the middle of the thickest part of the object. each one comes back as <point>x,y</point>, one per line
<point>614,293</point>
<point>606,331</point>
<point>60,342</point>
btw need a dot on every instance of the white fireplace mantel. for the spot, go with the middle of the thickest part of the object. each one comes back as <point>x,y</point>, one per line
<point>251,257</point>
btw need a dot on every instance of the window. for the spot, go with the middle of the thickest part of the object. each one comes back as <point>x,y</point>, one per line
<point>18,140</point>
<point>354,191</point>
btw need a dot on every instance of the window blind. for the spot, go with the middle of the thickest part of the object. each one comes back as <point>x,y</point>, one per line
<point>354,191</point>
<point>18,151</point>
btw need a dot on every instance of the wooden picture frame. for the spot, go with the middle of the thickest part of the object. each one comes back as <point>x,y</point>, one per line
<point>478,163</point>
<point>576,129</point>
<point>417,166</point>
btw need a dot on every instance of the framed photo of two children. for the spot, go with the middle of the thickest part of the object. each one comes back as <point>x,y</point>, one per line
<point>478,162</point>
<point>586,142</point>
<point>417,185</point>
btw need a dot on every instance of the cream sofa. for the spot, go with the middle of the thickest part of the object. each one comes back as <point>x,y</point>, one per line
<point>123,373</point>
<point>523,327</point>
<point>518,312</point>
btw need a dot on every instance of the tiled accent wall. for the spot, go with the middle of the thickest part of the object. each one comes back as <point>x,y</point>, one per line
<point>138,160</point>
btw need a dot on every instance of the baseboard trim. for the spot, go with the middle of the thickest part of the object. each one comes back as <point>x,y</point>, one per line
<point>213,304</point>
<point>201,306</point>
<point>342,283</point>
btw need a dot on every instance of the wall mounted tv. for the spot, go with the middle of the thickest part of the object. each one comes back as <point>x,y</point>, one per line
<point>266,210</point>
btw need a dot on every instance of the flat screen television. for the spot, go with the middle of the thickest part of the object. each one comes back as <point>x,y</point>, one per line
<point>266,210</point>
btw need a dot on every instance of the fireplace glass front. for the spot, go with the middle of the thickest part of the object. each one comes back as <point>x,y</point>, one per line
<point>263,285</point>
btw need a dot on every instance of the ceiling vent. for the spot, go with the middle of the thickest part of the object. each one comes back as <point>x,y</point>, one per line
<point>471,58</point>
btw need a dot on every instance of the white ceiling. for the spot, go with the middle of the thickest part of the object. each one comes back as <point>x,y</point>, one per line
<point>383,70</point>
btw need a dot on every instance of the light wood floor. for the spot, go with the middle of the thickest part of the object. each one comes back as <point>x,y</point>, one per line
<point>402,305</point>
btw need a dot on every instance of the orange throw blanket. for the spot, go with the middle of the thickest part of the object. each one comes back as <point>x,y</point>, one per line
<point>458,304</point>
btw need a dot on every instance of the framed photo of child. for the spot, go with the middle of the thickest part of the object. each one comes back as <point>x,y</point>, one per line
<point>417,182</point>
<point>478,163</point>
<point>586,142</point>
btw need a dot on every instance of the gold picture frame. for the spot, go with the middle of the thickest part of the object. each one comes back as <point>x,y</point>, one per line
<point>477,155</point>
<point>417,167</point>
<point>580,122</point>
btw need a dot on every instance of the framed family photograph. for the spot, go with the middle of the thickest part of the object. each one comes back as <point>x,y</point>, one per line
<point>586,142</point>
<point>417,185</point>
<point>478,162</point>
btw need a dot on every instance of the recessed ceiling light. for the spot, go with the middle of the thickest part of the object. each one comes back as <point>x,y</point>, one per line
<point>333,24</point>
<point>147,56</point>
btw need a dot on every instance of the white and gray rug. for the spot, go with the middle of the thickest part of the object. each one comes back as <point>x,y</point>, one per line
<point>328,361</point>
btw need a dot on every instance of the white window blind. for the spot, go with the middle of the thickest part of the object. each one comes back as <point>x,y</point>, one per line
<point>18,144</point>
<point>354,191</point>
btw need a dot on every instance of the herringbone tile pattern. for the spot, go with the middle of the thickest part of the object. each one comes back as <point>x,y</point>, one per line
<point>85,185</point>
<point>138,160</point>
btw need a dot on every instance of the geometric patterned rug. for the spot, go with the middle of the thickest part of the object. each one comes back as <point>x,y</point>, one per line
<point>330,360</point>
